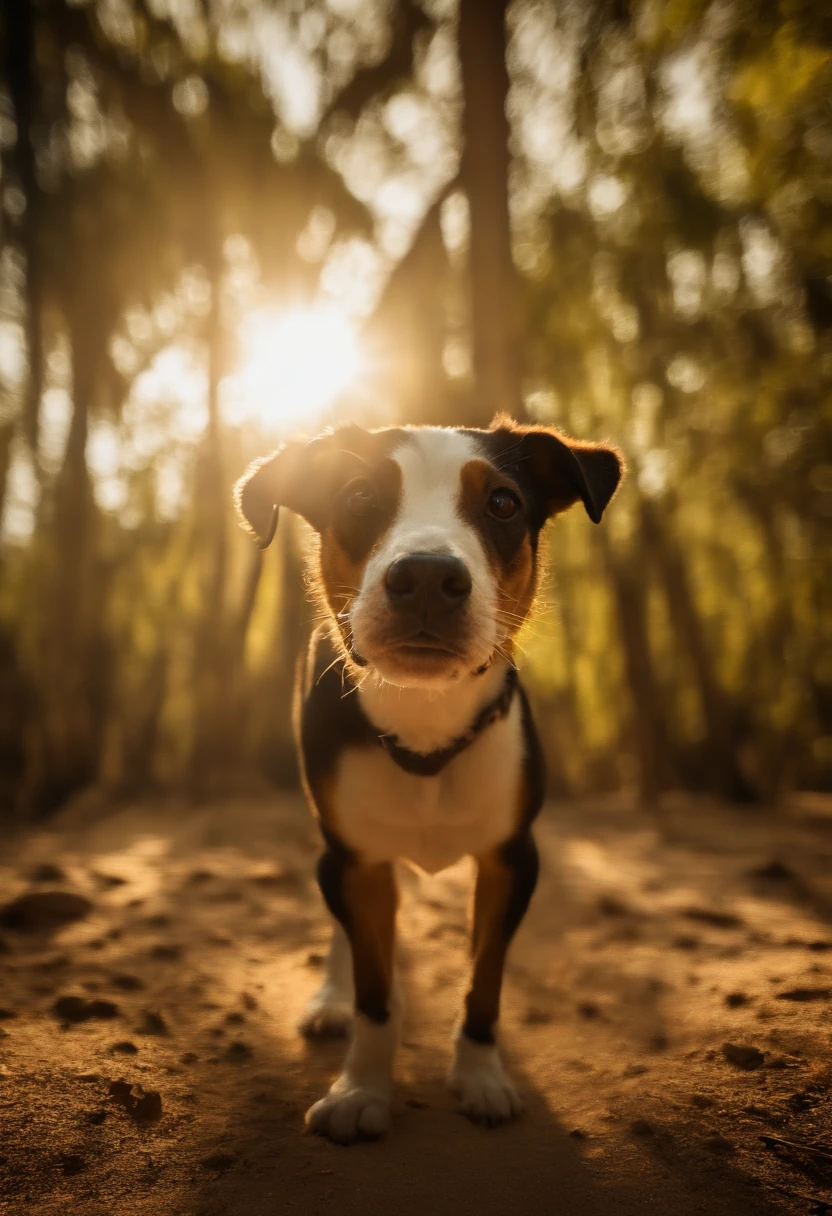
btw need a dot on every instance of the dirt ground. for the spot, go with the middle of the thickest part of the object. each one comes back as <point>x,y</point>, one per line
<point>667,1015</point>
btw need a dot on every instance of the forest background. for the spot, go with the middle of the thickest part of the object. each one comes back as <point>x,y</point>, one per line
<point>225,222</point>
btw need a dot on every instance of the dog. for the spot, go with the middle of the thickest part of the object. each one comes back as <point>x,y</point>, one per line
<point>415,735</point>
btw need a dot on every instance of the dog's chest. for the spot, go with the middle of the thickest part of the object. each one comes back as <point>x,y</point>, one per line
<point>471,806</point>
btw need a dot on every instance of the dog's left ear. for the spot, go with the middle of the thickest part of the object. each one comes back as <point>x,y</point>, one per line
<point>562,471</point>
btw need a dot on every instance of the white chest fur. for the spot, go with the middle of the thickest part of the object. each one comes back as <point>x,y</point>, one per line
<point>468,808</point>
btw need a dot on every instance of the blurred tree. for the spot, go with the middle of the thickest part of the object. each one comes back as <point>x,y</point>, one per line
<point>645,253</point>
<point>485,176</point>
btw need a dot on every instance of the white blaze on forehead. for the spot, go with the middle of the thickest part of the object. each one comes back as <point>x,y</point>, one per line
<point>429,520</point>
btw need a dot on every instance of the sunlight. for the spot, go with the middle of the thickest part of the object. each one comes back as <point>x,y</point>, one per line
<point>294,365</point>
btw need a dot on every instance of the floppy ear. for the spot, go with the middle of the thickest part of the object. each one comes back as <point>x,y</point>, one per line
<point>283,479</point>
<point>562,471</point>
<point>303,475</point>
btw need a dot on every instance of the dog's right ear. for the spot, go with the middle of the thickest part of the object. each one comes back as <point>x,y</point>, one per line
<point>283,479</point>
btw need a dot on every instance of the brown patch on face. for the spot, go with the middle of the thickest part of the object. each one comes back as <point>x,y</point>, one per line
<point>360,513</point>
<point>554,470</point>
<point>507,541</point>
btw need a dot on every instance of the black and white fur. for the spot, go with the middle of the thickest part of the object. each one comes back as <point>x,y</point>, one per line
<point>416,741</point>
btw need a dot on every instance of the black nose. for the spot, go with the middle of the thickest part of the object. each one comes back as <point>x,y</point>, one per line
<point>428,581</point>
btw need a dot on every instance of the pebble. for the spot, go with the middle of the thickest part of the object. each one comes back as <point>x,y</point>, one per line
<point>71,1164</point>
<point>719,920</point>
<point>47,871</point>
<point>771,870</point>
<point>219,1162</point>
<point>200,876</point>
<point>145,1106</point>
<point>735,1000</point>
<point>804,994</point>
<point>535,1016</point>
<point>127,983</point>
<point>718,1144</point>
<point>641,1127</point>
<point>743,1056</point>
<point>152,1023</point>
<point>110,880</point>
<point>166,951</point>
<point>685,941</point>
<point>783,1061</point>
<point>124,1047</point>
<point>78,1009</point>
<point>44,911</point>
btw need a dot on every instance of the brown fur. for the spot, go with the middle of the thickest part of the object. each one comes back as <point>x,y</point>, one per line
<point>370,899</point>
<point>515,572</point>
<point>489,945</point>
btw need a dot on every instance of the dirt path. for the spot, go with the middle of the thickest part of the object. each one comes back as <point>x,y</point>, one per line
<point>203,938</point>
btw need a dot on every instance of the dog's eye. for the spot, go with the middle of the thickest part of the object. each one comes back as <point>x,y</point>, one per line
<point>503,504</point>
<point>360,499</point>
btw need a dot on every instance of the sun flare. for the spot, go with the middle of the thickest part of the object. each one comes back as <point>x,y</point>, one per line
<point>295,364</point>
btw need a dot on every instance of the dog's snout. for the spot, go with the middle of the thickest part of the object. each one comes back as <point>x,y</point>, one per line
<point>423,581</point>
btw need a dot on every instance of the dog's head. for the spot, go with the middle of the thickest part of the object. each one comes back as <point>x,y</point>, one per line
<point>428,536</point>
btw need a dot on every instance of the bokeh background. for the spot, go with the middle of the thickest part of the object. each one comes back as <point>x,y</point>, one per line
<point>228,221</point>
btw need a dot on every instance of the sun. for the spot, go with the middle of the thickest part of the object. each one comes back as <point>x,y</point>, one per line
<point>294,364</point>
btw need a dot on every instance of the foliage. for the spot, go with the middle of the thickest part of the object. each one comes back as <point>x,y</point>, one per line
<point>670,187</point>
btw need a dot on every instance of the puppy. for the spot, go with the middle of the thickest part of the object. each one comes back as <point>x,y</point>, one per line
<point>415,735</point>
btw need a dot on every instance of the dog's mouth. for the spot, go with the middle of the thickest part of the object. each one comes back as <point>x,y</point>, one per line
<point>424,646</point>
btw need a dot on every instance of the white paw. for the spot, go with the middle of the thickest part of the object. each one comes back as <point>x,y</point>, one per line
<point>350,1113</point>
<point>485,1093</point>
<point>326,1017</point>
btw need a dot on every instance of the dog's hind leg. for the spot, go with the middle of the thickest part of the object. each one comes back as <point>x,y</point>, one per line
<point>505,882</point>
<point>329,1013</point>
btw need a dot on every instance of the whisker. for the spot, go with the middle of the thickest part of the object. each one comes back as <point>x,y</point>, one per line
<point>336,660</point>
<point>356,685</point>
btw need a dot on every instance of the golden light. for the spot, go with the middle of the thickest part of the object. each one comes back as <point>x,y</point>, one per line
<point>294,364</point>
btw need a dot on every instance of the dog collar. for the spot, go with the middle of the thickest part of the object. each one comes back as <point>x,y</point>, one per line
<point>429,764</point>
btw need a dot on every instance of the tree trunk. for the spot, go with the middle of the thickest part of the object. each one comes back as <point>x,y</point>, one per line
<point>211,743</point>
<point>725,777</point>
<point>6,436</point>
<point>19,39</point>
<point>485,167</point>
<point>406,333</point>
<point>63,735</point>
<point>655,769</point>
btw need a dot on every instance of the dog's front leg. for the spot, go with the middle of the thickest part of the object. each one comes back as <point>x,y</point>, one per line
<point>506,880</point>
<point>363,898</point>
